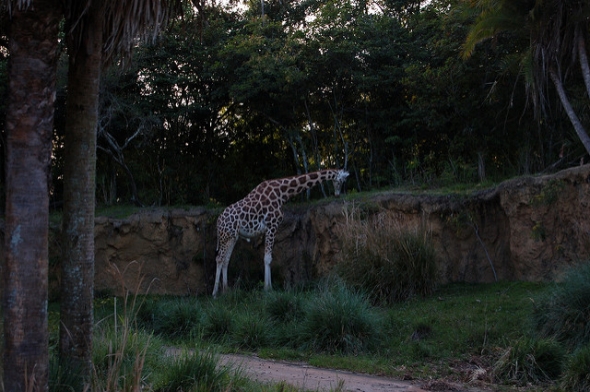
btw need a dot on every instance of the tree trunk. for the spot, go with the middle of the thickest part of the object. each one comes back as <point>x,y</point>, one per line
<point>77,285</point>
<point>29,126</point>
<point>578,127</point>
<point>584,63</point>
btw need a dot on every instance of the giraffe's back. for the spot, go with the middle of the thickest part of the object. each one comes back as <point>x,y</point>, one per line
<point>249,217</point>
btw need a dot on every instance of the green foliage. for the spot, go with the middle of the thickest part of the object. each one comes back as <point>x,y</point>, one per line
<point>531,361</point>
<point>218,323</point>
<point>329,325</point>
<point>210,109</point>
<point>284,306</point>
<point>576,376</point>
<point>120,357</point>
<point>390,263</point>
<point>251,331</point>
<point>564,314</point>
<point>62,377</point>
<point>171,317</point>
<point>549,194</point>
<point>340,320</point>
<point>193,372</point>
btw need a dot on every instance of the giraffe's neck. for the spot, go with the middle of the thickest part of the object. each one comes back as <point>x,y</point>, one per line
<point>291,186</point>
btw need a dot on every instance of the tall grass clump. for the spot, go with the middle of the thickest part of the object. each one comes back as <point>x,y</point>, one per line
<point>171,317</point>
<point>340,320</point>
<point>218,323</point>
<point>284,306</point>
<point>390,263</point>
<point>576,377</point>
<point>120,356</point>
<point>121,351</point>
<point>62,377</point>
<point>284,311</point>
<point>193,372</point>
<point>531,360</point>
<point>251,331</point>
<point>564,314</point>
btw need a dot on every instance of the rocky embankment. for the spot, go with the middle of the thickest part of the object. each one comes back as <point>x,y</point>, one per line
<point>528,228</point>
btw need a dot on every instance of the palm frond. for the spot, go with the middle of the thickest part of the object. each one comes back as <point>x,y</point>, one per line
<point>18,4</point>
<point>125,22</point>
<point>494,17</point>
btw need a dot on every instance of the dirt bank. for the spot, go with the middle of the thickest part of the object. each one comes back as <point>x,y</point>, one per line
<point>528,228</point>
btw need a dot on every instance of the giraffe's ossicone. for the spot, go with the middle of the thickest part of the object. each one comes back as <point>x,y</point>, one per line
<point>260,213</point>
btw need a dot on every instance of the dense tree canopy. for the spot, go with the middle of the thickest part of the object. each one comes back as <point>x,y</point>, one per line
<point>227,97</point>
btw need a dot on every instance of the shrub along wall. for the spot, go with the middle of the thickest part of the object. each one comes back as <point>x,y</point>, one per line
<point>528,228</point>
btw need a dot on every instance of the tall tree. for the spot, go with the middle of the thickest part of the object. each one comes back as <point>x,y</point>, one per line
<point>557,31</point>
<point>85,46</point>
<point>97,32</point>
<point>33,51</point>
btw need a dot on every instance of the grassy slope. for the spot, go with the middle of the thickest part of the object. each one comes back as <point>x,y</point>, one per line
<point>435,337</point>
<point>447,336</point>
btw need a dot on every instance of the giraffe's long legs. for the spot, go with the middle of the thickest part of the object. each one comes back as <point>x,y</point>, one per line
<point>217,273</point>
<point>267,279</point>
<point>269,242</point>
<point>225,250</point>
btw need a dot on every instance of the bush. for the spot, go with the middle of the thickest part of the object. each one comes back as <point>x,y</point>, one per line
<point>171,317</point>
<point>251,331</point>
<point>576,377</point>
<point>389,263</point>
<point>218,323</point>
<point>63,377</point>
<point>284,306</point>
<point>531,361</point>
<point>121,356</point>
<point>340,320</point>
<point>565,313</point>
<point>193,372</point>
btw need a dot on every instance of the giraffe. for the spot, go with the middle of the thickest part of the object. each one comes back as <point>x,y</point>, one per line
<point>260,212</point>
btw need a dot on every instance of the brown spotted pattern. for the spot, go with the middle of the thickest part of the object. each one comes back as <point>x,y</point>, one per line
<point>260,213</point>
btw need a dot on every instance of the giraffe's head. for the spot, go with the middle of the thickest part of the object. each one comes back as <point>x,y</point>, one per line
<point>338,181</point>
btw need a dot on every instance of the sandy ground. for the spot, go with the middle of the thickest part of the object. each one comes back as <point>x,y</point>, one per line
<point>310,378</point>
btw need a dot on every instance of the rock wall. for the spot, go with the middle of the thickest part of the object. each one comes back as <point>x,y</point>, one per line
<point>528,228</point>
<point>160,251</point>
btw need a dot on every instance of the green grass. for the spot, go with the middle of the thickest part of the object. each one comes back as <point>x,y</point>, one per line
<point>564,313</point>
<point>424,336</point>
<point>327,325</point>
<point>118,211</point>
<point>339,320</point>
<point>531,361</point>
<point>577,373</point>
<point>420,338</point>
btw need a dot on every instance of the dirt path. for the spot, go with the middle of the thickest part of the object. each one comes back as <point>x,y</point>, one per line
<point>308,377</point>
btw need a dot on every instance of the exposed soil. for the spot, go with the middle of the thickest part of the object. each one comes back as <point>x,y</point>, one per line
<point>310,378</point>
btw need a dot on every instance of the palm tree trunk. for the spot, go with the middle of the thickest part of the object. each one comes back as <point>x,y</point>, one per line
<point>578,127</point>
<point>584,62</point>
<point>29,124</point>
<point>77,286</point>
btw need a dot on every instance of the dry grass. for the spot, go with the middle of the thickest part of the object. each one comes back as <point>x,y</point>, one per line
<point>380,256</point>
